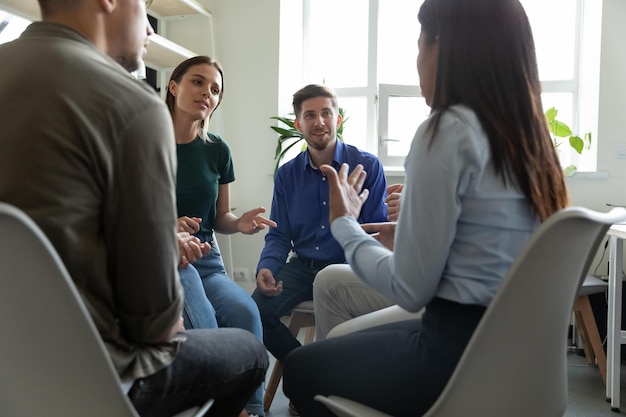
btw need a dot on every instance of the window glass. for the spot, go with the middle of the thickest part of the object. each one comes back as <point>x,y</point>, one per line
<point>398,30</point>
<point>355,128</point>
<point>405,115</point>
<point>11,27</point>
<point>562,40</point>
<point>338,42</point>
<point>554,26</point>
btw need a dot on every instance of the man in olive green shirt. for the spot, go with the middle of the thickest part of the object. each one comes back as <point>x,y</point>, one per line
<point>88,153</point>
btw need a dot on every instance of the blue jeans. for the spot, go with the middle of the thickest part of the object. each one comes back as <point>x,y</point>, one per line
<point>297,287</point>
<point>227,365</point>
<point>212,300</point>
<point>198,312</point>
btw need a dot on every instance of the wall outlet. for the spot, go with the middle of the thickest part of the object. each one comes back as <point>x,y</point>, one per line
<point>240,274</point>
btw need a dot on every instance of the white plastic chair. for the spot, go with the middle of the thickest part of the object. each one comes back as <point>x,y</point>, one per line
<point>535,298</point>
<point>52,359</point>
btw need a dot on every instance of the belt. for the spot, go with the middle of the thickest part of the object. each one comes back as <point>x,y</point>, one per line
<point>315,263</point>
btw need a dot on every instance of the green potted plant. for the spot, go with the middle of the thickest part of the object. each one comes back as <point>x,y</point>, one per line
<point>560,131</point>
<point>289,136</point>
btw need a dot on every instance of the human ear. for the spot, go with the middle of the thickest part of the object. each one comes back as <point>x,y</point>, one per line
<point>108,5</point>
<point>172,87</point>
<point>339,119</point>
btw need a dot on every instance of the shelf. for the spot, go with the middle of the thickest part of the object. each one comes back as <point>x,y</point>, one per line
<point>28,9</point>
<point>167,8</point>
<point>163,53</point>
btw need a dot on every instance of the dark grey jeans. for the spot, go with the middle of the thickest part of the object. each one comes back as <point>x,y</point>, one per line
<point>225,364</point>
<point>297,287</point>
<point>398,368</point>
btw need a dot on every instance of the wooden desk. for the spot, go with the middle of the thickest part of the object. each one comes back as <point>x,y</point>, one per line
<point>614,335</point>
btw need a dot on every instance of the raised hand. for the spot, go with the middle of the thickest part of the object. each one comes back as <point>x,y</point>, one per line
<point>346,191</point>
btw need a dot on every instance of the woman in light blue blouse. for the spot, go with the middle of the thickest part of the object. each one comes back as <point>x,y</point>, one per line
<point>481,175</point>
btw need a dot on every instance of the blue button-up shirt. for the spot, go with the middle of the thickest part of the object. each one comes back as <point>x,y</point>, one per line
<point>300,207</point>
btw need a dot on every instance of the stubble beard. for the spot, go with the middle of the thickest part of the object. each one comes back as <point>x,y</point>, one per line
<point>129,62</point>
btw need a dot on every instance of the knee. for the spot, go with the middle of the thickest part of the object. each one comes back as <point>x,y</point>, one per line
<point>247,309</point>
<point>265,307</point>
<point>330,281</point>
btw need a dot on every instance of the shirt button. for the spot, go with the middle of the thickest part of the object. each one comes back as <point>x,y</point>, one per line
<point>317,248</point>
<point>323,227</point>
<point>323,203</point>
<point>323,178</point>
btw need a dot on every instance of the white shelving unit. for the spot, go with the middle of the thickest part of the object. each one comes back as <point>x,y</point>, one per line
<point>163,53</point>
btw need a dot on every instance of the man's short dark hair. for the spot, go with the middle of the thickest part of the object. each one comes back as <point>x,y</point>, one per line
<point>312,91</point>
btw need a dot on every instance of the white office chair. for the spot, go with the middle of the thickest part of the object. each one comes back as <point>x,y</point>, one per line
<point>52,360</point>
<point>536,297</point>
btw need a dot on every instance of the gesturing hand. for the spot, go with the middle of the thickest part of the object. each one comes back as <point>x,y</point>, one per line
<point>251,222</point>
<point>346,191</point>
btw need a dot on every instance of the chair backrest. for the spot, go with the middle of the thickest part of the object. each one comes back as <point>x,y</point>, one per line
<point>501,375</point>
<point>52,360</point>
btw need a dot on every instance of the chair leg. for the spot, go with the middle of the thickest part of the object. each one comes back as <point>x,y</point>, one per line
<point>584,337</point>
<point>272,385</point>
<point>589,331</point>
<point>297,321</point>
<point>309,335</point>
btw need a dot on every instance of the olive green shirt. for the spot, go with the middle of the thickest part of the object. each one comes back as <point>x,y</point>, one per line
<point>88,153</point>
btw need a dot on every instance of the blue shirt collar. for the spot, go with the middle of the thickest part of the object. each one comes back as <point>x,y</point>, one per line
<point>337,156</point>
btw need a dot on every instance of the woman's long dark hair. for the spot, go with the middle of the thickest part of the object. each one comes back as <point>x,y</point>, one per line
<point>487,62</point>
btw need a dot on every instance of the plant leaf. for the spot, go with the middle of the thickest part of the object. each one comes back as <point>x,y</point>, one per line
<point>569,171</point>
<point>284,142</point>
<point>560,129</point>
<point>551,113</point>
<point>280,155</point>
<point>288,133</point>
<point>587,139</point>
<point>289,122</point>
<point>577,143</point>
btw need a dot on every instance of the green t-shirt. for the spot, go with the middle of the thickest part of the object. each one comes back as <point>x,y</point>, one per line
<point>202,166</point>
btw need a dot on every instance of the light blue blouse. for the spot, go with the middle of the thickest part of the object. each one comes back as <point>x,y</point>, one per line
<point>460,226</point>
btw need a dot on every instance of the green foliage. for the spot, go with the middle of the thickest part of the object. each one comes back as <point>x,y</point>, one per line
<point>560,131</point>
<point>289,136</point>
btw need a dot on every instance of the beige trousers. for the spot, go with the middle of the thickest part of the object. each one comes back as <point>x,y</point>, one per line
<point>339,295</point>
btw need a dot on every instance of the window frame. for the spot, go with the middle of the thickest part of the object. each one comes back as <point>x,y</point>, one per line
<point>377,95</point>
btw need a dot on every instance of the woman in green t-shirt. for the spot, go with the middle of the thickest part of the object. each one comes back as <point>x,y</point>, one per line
<point>205,171</point>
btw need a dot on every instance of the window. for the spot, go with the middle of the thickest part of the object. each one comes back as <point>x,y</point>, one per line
<point>379,87</point>
<point>11,26</point>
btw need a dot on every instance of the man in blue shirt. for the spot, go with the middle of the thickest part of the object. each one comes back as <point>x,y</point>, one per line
<point>300,208</point>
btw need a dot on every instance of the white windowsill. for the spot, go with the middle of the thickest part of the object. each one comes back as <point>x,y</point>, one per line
<point>399,172</point>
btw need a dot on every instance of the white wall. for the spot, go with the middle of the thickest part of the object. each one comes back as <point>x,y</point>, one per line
<point>595,193</point>
<point>247,44</point>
